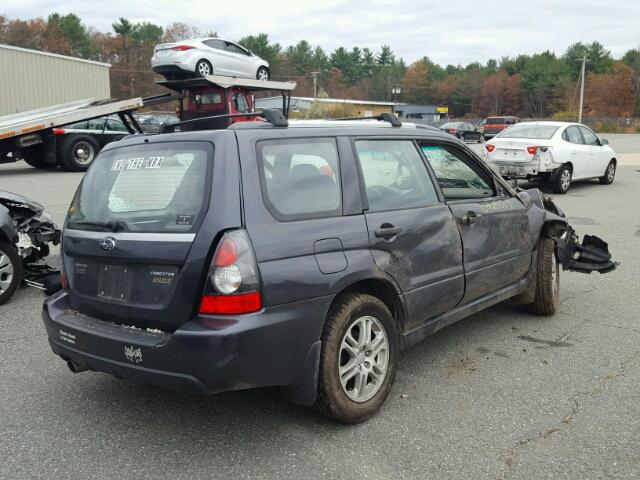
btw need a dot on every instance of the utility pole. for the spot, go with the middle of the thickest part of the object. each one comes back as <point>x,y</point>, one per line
<point>315,84</point>
<point>584,62</point>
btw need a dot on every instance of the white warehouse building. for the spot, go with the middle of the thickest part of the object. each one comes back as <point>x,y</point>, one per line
<point>31,79</point>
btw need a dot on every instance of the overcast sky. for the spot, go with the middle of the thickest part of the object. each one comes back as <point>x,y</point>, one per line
<point>456,32</point>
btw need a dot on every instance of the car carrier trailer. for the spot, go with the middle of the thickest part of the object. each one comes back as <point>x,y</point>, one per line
<point>32,135</point>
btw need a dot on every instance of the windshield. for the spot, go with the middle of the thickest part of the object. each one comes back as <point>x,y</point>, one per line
<point>450,125</point>
<point>543,132</point>
<point>144,188</point>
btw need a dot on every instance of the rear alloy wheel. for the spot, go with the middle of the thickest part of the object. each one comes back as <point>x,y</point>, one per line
<point>609,174</point>
<point>203,68</point>
<point>358,359</point>
<point>10,270</point>
<point>78,152</point>
<point>263,74</point>
<point>562,181</point>
<point>547,297</point>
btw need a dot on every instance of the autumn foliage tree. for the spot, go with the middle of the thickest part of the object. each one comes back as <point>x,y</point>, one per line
<point>610,94</point>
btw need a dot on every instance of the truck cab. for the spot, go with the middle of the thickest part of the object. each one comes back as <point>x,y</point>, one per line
<point>216,95</point>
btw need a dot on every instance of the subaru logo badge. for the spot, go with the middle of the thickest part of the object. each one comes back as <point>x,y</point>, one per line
<point>108,244</point>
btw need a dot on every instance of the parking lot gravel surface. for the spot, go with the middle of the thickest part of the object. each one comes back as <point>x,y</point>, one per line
<point>500,395</point>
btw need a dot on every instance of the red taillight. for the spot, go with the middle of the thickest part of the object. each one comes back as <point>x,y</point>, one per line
<point>63,280</point>
<point>490,148</point>
<point>453,131</point>
<point>182,48</point>
<point>226,253</point>
<point>233,282</point>
<point>58,131</point>
<point>532,150</point>
<point>236,304</point>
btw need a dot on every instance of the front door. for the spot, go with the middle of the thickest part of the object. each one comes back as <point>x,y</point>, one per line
<point>493,224</point>
<point>412,234</point>
<point>597,160</point>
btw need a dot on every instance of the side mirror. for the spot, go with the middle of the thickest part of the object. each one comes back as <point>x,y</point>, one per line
<point>604,141</point>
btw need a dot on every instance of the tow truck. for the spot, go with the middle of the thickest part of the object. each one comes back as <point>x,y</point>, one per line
<point>35,135</point>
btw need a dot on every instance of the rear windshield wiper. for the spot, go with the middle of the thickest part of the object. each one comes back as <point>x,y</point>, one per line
<point>111,226</point>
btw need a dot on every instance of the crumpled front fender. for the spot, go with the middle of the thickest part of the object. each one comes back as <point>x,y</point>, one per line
<point>592,255</point>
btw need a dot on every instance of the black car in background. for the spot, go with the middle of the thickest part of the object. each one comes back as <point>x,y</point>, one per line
<point>465,131</point>
<point>78,144</point>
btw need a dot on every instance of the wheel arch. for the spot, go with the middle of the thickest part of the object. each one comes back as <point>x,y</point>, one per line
<point>384,290</point>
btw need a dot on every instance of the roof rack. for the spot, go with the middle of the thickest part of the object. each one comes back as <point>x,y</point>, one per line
<point>274,117</point>
<point>384,117</point>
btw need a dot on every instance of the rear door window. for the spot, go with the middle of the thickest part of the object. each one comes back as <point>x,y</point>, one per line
<point>300,177</point>
<point>394,175</point>
<point>144,188</point>
<point>572,135</point>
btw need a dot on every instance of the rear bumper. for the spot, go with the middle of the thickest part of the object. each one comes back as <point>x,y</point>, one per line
<point>173,69</point>
<point>277,346</point>
<point>519,169</point>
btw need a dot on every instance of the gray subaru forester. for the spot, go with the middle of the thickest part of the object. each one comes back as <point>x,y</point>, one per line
<point>304,255</point>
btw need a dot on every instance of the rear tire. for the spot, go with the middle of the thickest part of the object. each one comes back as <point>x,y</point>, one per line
<point>11,271</point>
<point>263,74</point>
<point>203,68</point>
<point>609,174</point>
<point>358,360</point>
<point>78,152</point>
<point>34,156</point>
<point>562,181</point>
<point>547,291</point>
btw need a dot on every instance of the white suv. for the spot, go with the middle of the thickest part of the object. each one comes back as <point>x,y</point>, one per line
<point>206,56</point>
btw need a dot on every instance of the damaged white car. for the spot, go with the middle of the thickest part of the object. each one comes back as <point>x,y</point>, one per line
<point>555,152</point>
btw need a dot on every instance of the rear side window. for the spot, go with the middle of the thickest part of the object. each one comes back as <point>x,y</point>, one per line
<point>300,178</point>
<point>146,188</point>
<point>496,121</point>
<point>394,175</point>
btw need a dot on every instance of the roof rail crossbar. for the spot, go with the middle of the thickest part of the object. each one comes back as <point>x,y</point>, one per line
<point>274,117</point>
<point>388,117</point>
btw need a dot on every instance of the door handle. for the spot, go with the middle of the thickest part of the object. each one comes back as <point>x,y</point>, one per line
<point>470,217</point>
<point>387,230</point>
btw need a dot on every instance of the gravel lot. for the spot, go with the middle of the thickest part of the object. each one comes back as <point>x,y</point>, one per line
<point>502,394</point>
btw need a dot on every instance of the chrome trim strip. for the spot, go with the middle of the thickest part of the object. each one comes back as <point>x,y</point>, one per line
<point>131,236</point>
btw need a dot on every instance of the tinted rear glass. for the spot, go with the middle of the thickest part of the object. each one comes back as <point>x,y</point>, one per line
<point>147,188</point>
<point>300,177</point>
<point>543,132</point>
<point>450,125</point>
<point>495,121</point>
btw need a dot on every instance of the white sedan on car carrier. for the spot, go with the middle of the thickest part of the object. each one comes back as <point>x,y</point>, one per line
<point>554,152</point>
<point>207,56</point>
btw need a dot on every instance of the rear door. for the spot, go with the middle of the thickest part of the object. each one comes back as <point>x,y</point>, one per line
<point>141,225</point>
<point>412,234</point>
<point>494,225</point>
<point>223,61</point>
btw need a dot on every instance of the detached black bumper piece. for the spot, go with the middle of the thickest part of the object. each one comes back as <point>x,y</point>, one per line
<point>592,255</point>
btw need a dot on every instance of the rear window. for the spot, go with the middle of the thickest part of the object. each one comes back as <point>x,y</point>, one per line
<point>300,178</point>
<point>495,121</point>
<point>147,188</point>
<point>542,132</point>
